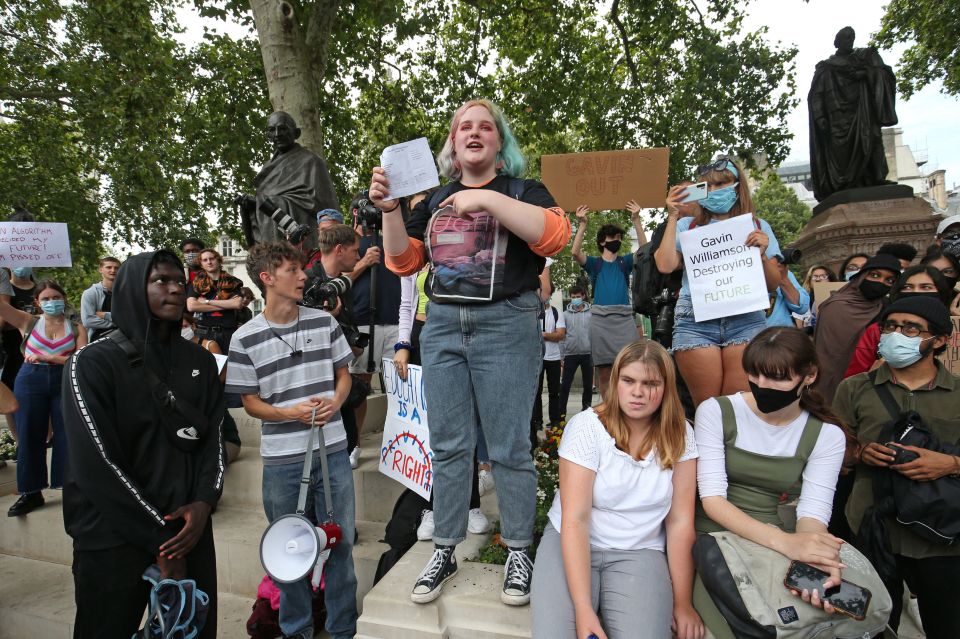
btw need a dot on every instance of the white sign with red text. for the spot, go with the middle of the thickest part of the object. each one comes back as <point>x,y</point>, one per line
<point>405,453</point>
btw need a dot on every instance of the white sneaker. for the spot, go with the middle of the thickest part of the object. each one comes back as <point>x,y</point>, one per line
<point>355,458</point>
<point>477,522</point>
<point>486,482</point>
<point>425,529</point>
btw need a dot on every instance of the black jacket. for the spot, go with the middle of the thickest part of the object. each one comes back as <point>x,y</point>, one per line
<point>124,473</point>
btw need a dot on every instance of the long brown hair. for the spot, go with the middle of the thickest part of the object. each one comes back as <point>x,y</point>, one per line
<point>780,352</point>
<point>667,425</point>
<point>744,203</point>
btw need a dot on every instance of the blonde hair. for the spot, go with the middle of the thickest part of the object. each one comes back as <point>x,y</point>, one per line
<point>668,425</point>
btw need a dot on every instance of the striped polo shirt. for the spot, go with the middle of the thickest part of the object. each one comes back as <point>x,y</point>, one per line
<point>285,364</point>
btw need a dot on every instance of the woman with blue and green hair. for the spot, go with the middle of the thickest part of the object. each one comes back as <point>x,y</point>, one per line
<point>486,235</point>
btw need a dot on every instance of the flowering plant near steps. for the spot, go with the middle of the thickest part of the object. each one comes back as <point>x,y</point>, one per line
<point>547,463</point>
<point>8,445</point>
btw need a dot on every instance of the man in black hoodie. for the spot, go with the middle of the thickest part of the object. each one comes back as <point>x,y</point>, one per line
<point>143,478</point>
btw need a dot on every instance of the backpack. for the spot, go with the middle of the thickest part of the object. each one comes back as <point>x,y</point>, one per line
<point>648,281</point>
<point>746,582</point>
<point>543,318</point>
<point>930,509</point>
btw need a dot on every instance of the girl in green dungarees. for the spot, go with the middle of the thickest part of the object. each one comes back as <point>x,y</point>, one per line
<point>778,438</point>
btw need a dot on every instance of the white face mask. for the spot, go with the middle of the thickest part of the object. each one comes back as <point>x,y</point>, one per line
<point>187,333</point>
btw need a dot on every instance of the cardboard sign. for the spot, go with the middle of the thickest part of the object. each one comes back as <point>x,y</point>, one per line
<point>823,290</point>
<point>605,180</point>
<point>951,356</point>
<point>405,453</point>
<point>34,244</point>
<point>725,275</point>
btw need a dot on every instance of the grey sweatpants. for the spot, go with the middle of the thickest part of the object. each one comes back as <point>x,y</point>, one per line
<point>630,589</point>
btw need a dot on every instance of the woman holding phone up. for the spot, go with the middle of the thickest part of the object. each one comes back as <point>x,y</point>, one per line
<point>487,235</point>
<point>704,349</point>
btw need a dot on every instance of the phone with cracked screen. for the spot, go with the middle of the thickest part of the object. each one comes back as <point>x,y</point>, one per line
<point>847,598</point>
<point>695,192</point>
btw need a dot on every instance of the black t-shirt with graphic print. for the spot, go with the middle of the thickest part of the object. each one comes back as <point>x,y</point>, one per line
<point>478,260</point>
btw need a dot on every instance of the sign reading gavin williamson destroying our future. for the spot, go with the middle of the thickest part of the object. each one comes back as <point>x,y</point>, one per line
<point>725,275</point>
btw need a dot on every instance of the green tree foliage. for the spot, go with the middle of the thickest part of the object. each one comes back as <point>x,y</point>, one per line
<point>115,124</point>
<point>779,205</point>
<point>932,29</point>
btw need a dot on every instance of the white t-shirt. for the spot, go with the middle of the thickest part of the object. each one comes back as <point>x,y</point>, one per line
<point>757,436</point>
<point>551,350</point>
<point>630,498</point>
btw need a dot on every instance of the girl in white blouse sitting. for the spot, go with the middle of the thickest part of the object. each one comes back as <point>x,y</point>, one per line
<point>624,513</point>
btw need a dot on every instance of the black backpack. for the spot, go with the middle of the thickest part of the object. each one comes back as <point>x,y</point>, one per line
<point>930,509</point>
<point>648,282</point>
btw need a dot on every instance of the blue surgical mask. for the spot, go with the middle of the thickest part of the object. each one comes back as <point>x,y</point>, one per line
<point>577,302</point>
<point>720,201</point>
<point>849,275</point>
<point>22,271</point>
<point>900,351</point>
<point>53,307</point>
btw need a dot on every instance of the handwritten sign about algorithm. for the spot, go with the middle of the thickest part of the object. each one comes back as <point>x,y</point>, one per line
<point>34,244</point>
<point>725,275</point>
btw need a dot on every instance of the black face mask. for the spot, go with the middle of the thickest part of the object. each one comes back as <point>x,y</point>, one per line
<point>770,400</point>
<point>873,290</point>
<point>613,246</point>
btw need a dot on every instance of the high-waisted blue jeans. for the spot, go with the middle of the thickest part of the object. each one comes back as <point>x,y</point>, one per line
<point>480,365</point>
<point>37,389</point>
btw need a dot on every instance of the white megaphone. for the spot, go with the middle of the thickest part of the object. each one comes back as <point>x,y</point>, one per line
<point>292,545</point>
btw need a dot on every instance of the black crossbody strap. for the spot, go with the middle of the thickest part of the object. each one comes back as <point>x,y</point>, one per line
<point>893,408</point>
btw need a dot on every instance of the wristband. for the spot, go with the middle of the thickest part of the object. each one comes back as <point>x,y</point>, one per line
<point>401,346</point>
<point>391,210</point>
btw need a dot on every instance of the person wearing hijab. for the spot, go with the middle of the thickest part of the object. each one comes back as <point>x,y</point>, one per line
<point>846,314</point>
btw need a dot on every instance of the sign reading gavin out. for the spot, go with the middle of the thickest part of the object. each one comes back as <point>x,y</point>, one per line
<point>34,244</point>
<point>405,453</point>
<point>606,180</point>
<point>725,275</point>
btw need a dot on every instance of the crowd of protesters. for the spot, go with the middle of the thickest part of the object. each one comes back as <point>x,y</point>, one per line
<point>714,426</point>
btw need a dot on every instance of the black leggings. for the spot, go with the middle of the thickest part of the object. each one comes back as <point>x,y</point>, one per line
<point>936,583</point>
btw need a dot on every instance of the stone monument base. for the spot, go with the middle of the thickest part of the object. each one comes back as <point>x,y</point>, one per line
<point>864,226</point>
<point>864,194</point>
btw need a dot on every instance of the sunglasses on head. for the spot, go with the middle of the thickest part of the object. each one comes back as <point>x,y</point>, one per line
<point>719,165</point>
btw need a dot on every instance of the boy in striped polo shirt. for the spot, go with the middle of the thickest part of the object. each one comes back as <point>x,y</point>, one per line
<point>284,363</point>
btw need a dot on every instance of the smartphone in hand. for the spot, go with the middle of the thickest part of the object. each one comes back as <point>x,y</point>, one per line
<point>847,598</point>
<point>695,192</point>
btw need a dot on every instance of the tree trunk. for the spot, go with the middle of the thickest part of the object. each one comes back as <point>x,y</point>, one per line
<point>292,81</point>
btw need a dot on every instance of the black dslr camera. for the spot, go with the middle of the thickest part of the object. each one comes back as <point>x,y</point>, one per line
<point>369,216</point>
<point>791,256</point>
<point>322,294</point>
<point>665,304</point>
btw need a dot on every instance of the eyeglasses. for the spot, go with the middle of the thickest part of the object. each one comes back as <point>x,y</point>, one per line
<point>908,329</point>
<point>819,278</point>
<point>719,165</point>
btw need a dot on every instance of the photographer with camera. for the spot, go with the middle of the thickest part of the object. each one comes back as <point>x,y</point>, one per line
<point>376,301</point>
<point>328,288</point>
<point>789,297</point>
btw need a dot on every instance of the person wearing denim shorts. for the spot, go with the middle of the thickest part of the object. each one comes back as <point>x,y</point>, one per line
<point>488,234</point>
<point>701,349</point>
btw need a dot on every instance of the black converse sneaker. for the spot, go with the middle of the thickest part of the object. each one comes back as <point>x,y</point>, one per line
<point>439,570</point>
<point>516,578</point>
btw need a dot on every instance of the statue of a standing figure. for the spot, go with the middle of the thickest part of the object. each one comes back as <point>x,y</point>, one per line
<point>852,96</point>
<point>291,188</point>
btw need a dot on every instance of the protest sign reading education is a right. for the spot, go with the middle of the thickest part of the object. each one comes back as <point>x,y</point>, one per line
<point>725,275</point>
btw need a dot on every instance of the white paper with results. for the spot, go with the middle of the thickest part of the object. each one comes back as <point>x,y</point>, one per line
<point>725,276</point>
<point>409,167</point>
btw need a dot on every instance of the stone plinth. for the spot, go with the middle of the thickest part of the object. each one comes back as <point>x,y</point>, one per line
<point>863,227</point>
